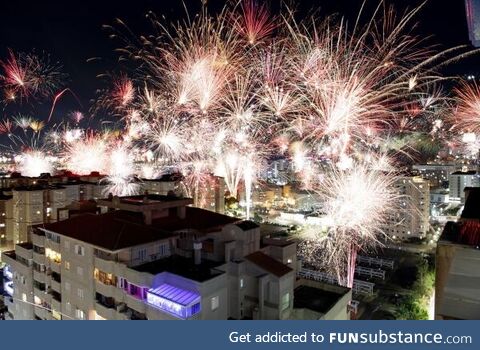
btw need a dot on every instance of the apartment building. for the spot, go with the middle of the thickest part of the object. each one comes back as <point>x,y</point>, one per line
<point>150,257</point>
<point>411,220</point>
<point>208,194</point>
<point>459,180</point>
<point>6,218</point>
<point>32,201</point>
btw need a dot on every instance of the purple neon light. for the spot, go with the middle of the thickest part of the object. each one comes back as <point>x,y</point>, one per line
<point>177,295</point>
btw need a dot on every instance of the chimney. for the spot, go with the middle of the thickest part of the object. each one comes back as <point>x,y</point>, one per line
<point>197,252</point>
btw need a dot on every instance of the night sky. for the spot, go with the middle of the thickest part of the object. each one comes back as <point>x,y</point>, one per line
<point>71,31</point>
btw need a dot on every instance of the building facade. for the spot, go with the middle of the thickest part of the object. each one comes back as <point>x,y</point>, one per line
<point>411,220</point>
<point>150,257</point>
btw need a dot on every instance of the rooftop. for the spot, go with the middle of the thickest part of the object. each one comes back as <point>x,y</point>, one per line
<point>121,229</point>
<point>181,266</point>
<point>246,225</point>
<point>268,264</point>
<point>315,299</point>
<point>113,231</point>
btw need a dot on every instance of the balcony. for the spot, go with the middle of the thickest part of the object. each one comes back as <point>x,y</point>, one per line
<point>105,306</point>
<point>39,276</point>
<point>126,313</point>
<point>9,258</point>
<point>107,312</point>
<point>107,290</point>
<point>24,250</point>
<point>18,265</point>
<point>55,267</point>
<point>38,240</point>
<point>52,245</point>
<point>39,258</point>
<point>42,312</point>
<point>56,286</point>
<point>56,296</point>
<point>56,305</point>
<point>105,265</point>
<point>135,304</point>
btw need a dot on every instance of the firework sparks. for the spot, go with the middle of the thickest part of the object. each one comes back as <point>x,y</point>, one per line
<point>33,163</point>
<point>87,155</point>
<point>357,204</point>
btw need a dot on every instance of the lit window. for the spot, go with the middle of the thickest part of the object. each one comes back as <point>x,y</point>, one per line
<point>285,301</point>
<point>242,283</point>
<point>79,314</point>
<point>215,301</point>
<point>67,265</point>
<point>53,255</point>
<point>24,297</point>
<point>289,261</point>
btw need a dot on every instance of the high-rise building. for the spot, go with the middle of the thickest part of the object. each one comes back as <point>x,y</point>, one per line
<point>411,220</point>
<point>459,180</point>
<point>457,281</point>
<point>150,257</point>
<point>31,201</point>
<point>209,194</point>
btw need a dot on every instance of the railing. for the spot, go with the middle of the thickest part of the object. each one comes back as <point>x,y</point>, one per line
<point>366,271</point>
<point>363,287</point>
<point>376,261</point>
<point>359,287</point>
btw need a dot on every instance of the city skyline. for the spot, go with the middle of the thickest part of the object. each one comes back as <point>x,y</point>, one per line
<point>237,160</point>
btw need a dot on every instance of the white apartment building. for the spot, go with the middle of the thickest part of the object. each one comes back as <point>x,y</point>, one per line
<point>210,195</point>
<point>459,180</point>
<point>33,201</point>
<point>150,257</point>
<point>411,220</point>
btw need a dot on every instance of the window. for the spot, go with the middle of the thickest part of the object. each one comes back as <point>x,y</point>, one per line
<point>215,302</point>
<point>53,256</point>
<point>80,293</point>
<point>24,297</point>
<point>67,265</point>
<point>163,249</point>
<point>242,284</point>
<point>142,254</point>
<point>67,245</point>
<point>79,314</point>
<point>79,250</point>
<point>79,270</point>
<point>285,303</point>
